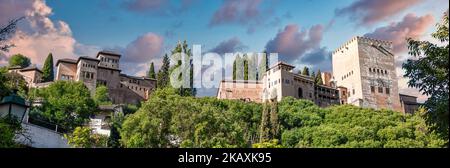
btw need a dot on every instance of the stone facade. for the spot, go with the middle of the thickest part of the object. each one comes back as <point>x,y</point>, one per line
<point>366,67</point>
<point>279,81</point>
<point>105,70</point>
<point>31,74</point>
<point>240,90</point>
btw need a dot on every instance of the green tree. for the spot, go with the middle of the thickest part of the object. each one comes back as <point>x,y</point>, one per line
<point>101,95</point>
<point>12,81</point>
<point>66,103</point>
<point>151,71</point>
<point>47,70</point>
<point>235,66</point>
<point>170,120</point>
<point>83,137</point>
<point>274,143</point>
<point>246,66</point>
<point>264,133</point>
<point>428,71</point>
<point>5,34</point>
<point>263,65</point>
<point>8,131</point>
<point>163,73</point>
<point>19,60</point>
<point>183,48</point>
<point>114,137</point>
<point>238,71</point>
<point>305,71</point>
<point>318,78</point>
<point>306,125</point>
<point>269,127</point>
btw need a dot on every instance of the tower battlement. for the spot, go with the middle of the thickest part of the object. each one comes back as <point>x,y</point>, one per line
<point>367,40</point>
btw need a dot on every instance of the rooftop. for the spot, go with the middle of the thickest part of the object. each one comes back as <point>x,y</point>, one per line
<point>88,58</point>
<point>106,52</point>
<point>31,68</point>
<point>136,77</point>
<point>66,60</point>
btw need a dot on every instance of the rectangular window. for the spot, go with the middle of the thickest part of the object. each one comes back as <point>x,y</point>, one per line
<point>380,89</point>
<point>388,91</point>
<point>353,91</point>
<point>372,89</point>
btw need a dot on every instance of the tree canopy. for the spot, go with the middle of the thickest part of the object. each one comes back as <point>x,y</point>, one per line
<point>101,95</point>
<point>306,125</point>
<point>66,103</point>
<point>428,71</point>
<point>19,60</point>
<point>170,120</point>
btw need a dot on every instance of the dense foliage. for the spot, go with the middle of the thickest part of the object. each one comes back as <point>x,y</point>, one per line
<point>307,125</point>
<point>8,131</point>
<point>101,96</point>
<point>10,82</point>
<point>83,137</point>
<point>66,103</point>
<point>428,71</point>
<point>170,120</point>
<point>19,60</point>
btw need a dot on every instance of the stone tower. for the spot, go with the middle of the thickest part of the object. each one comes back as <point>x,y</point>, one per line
<point>366,68</point>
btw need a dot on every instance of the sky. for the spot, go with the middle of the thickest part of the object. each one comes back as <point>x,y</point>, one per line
<point>302,32</point>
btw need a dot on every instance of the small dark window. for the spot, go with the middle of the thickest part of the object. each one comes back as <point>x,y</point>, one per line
<point>353,91</point>
<point>380,89</point>
<point>300,92</point>
<point>388,91</point>
<point>372,89</point>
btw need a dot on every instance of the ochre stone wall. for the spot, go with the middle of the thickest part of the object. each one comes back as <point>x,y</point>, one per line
<point>250,91</point>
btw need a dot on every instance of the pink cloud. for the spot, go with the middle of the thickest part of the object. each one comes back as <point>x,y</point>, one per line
<point>38,35</point>
<point>368,12</point>
<point>144,48</point>
<point>235,11</point>
<point>229,46</point>
<point>411,26</point>
<point>159,7</point>
<point>291,43</point>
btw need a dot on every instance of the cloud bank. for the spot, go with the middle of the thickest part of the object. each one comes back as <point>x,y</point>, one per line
<point>368,12</point>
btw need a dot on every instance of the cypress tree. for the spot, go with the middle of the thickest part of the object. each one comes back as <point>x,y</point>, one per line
<point>305,71</point>
<point>151,71</point>
<point>318,78</point>
<point>47,70</point>
<point>274,124</point>
<point>163,73</point>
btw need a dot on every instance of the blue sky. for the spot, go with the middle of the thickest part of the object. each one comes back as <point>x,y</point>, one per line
<point>303,32</point>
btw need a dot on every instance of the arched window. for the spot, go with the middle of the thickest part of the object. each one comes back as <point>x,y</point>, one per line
<point>300,92</point>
